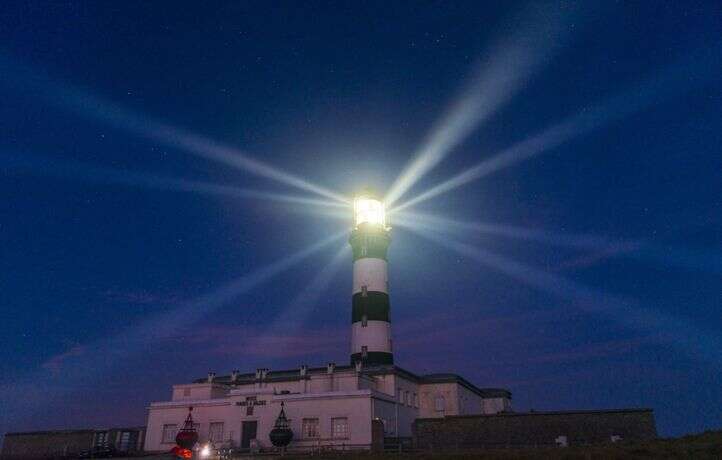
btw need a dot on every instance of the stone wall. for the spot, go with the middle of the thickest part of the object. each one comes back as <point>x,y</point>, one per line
<point>46,444</point>
<point>534,429</point>
<point>68,443</point>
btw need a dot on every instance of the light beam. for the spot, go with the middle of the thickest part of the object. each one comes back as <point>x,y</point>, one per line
<point>650,91</point>
<point>115,350</point>
<point>497,78</point>
<point>672,330</point>
<point>66,169</point>
<point>294,316</point>
<point>437,223</point>
<point>88,105</point>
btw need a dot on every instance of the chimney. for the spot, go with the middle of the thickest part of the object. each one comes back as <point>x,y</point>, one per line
<point>330,368</point>
<point>234,375</point>
<point>304,370</point>
<point>211,376</point>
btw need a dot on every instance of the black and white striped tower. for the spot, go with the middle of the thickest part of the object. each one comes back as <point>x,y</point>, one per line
<point>370,321</point>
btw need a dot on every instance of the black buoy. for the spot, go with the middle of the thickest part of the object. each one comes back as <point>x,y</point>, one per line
<point>187,436</point>
<point>281,434</point>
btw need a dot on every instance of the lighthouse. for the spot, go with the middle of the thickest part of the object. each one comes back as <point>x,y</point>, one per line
<point>370,320</point>
<point>328,406</point>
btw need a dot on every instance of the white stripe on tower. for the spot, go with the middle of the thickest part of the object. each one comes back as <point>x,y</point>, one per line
<point>371,273</point>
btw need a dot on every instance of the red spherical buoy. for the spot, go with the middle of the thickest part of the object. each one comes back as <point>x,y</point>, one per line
<point>186,438</point>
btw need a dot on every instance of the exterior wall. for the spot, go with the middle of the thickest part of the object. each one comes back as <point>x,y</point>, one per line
<point>534,429</point>
<point>385,384</point>
<point>355,405</point>
<point>429,393</point>
<point>468,402</point>
<point>395,405</point>
<point>204,412</point>
<point>495,405</point>
<point>198,391</point>
<point>458,400</point>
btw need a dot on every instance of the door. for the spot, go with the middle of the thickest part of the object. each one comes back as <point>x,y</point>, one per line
<point>248,432</point>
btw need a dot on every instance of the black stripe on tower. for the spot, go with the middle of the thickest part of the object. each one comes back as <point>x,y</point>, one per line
<point>375,305</point>
<point>373,357</point>
<point>369,242</point>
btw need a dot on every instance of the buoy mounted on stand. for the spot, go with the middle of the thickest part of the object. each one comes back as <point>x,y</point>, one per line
<point>281,434</point>
<point>186,438</point>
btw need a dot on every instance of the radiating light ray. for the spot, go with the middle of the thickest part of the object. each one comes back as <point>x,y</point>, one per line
<point>676,331</point>
<point>709,261</point>
<point>496,79</point>
<point>88,105</point>
<point>194,310</point>
<point>655,88</point>
<point>115,350</point>
<point>328,213</point>
<point>294,316</point>
<point>66,169</point>
<point>437,223</point>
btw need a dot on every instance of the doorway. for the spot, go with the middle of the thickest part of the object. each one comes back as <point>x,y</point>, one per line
<point>248,432</point>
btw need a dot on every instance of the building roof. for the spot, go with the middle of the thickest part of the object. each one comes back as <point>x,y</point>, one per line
<point>454,378</point>
<point>534,413</point>
<point>382,369</point>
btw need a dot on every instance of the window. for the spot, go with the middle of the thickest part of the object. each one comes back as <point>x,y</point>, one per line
<point>415,401</point>
<point>439,404</point>
<point>169,432</point>
<point>215,432</point>
<point>186,391</point>
<point>101,438</point>
<point>124,445</point>
<point>309,428</point>
<point>407,400</point>
<point>340,427</point>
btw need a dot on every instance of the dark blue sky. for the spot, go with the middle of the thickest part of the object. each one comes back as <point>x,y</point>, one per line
<point>106,264</point>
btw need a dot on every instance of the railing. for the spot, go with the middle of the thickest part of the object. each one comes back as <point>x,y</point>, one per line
<point>309,447</point>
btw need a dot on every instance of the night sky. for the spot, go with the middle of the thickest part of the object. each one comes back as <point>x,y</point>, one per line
<point>141,245</point>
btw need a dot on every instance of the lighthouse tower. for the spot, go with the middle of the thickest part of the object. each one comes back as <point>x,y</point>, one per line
<point>370,321</point>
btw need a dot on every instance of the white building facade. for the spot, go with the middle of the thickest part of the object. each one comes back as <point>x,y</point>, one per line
<point>353,406</point>
<point>329,406</point>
